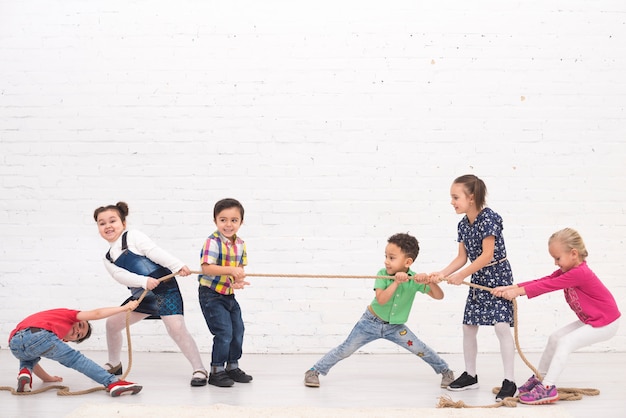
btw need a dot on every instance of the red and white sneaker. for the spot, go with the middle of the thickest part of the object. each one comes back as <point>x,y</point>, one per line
<point>122,387</point>
<point>24,381</point>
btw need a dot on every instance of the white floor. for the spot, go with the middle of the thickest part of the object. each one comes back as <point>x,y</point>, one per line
<point>393,380</point>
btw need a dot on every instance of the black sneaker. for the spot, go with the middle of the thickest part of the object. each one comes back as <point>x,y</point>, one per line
<point>220,379</point>
<point>239,375</point>
<point>507,390</point>
<point>464,382</point>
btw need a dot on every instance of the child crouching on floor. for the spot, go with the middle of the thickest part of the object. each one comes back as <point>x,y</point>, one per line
<point>44,334</point>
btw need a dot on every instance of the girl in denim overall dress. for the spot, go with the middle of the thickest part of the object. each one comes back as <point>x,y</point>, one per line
<point>135,261</point>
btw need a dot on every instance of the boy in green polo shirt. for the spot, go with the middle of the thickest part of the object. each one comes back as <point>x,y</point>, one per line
<point>385,317</point>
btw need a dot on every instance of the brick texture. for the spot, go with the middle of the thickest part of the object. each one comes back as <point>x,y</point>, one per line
<point>336,124</point>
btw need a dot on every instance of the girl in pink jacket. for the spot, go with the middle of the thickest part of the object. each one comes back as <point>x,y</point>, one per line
<point>591,301</point>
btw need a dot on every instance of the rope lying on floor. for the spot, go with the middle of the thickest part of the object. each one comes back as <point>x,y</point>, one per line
<point>61,390</point>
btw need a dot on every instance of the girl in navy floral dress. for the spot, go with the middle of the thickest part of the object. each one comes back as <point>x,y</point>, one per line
<point>481,241</point>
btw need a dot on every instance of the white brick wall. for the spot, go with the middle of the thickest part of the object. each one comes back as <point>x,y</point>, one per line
<point>337,124</point>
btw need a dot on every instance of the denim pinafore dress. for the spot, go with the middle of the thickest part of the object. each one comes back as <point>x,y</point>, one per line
<point>163,300</point>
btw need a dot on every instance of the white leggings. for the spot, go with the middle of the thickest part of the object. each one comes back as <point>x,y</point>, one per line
<point>566,340</point>
<point>507,348</point>
<point>175,326</point>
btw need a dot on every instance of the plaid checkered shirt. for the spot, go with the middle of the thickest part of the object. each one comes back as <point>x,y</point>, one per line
<point>221,251</point>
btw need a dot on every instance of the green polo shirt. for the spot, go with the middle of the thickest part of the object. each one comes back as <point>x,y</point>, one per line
<point>397,310</point>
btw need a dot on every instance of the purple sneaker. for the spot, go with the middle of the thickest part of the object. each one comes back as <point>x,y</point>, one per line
<point>529,385</point>
<point>540,394</point>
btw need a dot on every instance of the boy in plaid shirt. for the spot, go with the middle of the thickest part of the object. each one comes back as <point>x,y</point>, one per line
<point>223,258</point>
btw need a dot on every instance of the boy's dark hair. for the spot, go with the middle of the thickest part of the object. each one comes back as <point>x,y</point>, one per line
<point>227,204</point>
<point>87,334</point>
<point>407,243</point>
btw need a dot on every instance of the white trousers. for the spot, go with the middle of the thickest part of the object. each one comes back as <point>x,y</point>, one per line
<point>566,340</point>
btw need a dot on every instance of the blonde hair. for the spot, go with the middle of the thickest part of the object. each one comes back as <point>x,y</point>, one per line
<point>571,239</point>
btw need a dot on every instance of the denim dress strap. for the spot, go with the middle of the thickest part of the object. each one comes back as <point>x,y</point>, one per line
<point>143,266</point>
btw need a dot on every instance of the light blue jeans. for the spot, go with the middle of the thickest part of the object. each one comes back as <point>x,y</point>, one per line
<point>371,328</point>
<point>29,347</point>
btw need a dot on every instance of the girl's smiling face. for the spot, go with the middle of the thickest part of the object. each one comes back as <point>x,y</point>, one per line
<point>110,225</point>
<point>459,198</point>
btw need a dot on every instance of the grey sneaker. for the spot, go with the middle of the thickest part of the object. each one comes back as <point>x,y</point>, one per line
<point>447,377</point>
<point>311,378</point>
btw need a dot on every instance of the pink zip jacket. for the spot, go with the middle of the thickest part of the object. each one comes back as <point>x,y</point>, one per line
<point>590,300</point>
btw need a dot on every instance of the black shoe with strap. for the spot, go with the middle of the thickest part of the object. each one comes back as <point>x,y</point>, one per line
<point>199,381</point>
<point>116,370</point>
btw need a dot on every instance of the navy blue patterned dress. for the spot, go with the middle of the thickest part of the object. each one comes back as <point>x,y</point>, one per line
<point>481,307</point>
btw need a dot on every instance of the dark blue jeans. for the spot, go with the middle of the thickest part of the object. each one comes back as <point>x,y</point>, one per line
<point>223,317</point>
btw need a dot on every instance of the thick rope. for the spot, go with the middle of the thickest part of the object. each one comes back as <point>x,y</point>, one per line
<point>565,394</point>
<point>309,276</point>
<point>444,401</point>
<point>61,390</point>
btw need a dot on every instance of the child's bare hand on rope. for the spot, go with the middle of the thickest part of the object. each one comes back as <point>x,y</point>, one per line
<point>131,305</point>
<point>455,279</point>
<point>507,292</point>
<point>152,283</point>
<point>421,278</point>
<point>435,277</point>
<point>401,277</point>
<point>238,275</point>
<point>184,271</point>
<point>240,284</point>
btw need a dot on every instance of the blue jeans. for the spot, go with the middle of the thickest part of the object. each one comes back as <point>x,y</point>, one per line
<point>29,347</point>
<point>223,317</point>
<point>371,328</point>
